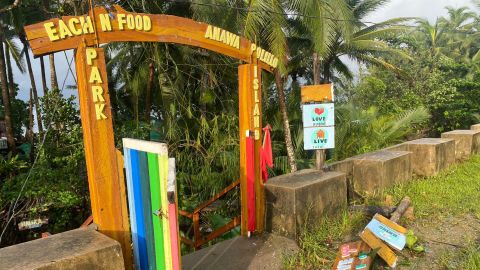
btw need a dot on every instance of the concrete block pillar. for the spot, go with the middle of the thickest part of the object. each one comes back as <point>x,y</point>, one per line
<point>378,170</point>
<point>467,142</point>
<point>475,127</point>
<point>77,249</point>
<point>430,156</point>
<point>301,198</point>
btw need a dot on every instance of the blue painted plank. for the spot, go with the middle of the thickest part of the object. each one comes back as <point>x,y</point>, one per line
<point>137,190</point>
<point>131,205</point>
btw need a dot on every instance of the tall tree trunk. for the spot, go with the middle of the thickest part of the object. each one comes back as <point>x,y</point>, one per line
<point>53,72</point>
<point>148,98</point>
<point>30,124</point>
<point>11,86</point>
<point>34,87</point>
<point>44,77</point>
<point>6,96</point>
<point>319,154</point>
<point>286,123</point>
<point>327,74</point>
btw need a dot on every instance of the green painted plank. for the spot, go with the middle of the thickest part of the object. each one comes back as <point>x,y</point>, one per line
<point>163,165</point>
<point>156,205</point>
<point>147,209</point>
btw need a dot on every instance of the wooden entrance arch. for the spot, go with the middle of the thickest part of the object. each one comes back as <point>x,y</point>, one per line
<point>104,162</point>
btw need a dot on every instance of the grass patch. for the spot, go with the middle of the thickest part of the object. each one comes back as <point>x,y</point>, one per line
<point>455,191</point>
<point>319,245</point>
<point>466,259</point>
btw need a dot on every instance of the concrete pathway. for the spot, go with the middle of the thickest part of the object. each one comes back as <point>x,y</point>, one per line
<point>259,252</point>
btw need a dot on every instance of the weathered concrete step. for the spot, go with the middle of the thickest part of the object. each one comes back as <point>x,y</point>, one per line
<point>72,250</point>
<point>467,142</point>
<point>300,198</point>
<point>240,253</point>
<point>378,170</point>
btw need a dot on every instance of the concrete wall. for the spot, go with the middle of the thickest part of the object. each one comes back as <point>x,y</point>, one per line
<point>78,249</point>
<point>290,198</point>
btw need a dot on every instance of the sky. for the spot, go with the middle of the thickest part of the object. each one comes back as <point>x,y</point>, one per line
<point>428,9</point>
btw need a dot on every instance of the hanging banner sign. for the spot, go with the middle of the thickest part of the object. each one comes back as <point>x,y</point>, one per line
<point>317,115</point>
<point>317,138</point>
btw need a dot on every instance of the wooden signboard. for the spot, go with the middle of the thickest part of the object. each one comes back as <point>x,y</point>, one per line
<point>105,174</point>
<point>317,93</point>
<point>66,33</point>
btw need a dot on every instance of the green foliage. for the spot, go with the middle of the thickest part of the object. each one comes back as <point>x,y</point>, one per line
<point>55,185</point>
<point>360,131</point>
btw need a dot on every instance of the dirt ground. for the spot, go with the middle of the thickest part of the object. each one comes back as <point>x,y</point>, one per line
<point>444,240</point>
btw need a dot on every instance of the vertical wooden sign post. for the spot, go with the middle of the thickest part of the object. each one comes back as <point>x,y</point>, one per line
<point>105,174</point>
<point>250,118</point>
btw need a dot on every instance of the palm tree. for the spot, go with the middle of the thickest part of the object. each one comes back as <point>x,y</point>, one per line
<point>270,19</point>
<point>44,78</point>
<point>323,21</point>
<point>433,35</point>
<point>53,72</point>
<point>5,94</point>
<point>33,84</point>
<point>18,18</point>
<point>366,44</point>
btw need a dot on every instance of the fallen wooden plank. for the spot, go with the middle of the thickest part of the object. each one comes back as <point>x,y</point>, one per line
<point>384,251</point>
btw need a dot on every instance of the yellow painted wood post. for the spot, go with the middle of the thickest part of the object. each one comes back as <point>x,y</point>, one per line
<point>257,126</point>
<point>105,171</point>
<point>250,120</point>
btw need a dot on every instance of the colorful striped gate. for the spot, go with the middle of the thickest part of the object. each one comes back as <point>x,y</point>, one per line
<point>152,204</point>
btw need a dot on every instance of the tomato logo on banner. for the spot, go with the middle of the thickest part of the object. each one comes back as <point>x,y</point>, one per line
<point>319,138</point>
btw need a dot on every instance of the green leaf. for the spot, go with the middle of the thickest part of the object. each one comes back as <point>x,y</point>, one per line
<point>411,239</point>
<point>419,248</point>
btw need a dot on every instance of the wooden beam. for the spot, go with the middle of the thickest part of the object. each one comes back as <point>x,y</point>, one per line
<point>105,174</point>
<point>384,250</point>
<point>219,232</point>
<point>216,197</point>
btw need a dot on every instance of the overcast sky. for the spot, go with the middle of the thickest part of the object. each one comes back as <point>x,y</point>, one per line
<point>429,9</point>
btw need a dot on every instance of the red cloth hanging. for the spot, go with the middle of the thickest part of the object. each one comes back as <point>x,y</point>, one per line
<point>266,156</point>
<point>251,184</point>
